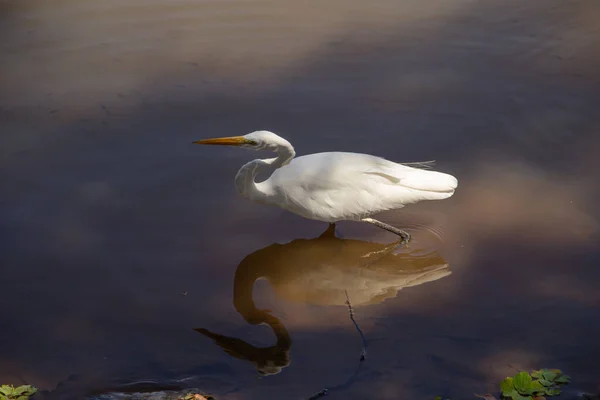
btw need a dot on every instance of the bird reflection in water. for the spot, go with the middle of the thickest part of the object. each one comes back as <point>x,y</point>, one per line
<point>321,271</point>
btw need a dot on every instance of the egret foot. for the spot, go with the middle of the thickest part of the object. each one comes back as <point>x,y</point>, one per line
<point>329,233</point>
<point>404,235</point>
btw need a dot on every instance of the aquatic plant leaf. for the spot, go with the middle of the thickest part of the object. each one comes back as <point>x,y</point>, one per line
<point>536,374</point>
<point>507,387</point>
<point>563,379</point>
<point>543,391</point>
<point>22,398</point>
<point>24,389</point>
<point>550,391</point>
<point>522,382</point>
<point>3,397</point>
<point>6,390</point>
<point>537,387</point>
<point>544,382</point>
<point>516,396</point>
<point>549,375</point>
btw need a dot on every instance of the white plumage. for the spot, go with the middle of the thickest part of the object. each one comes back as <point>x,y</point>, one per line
<point>333,186</point>
<point>350,186</point>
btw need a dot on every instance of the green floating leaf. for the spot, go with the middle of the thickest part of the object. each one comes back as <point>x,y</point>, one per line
<point>563,379</point>
<point>558,371</point>
<point>24,389</point>
<point>522,382</point>
<point>9,392</point>
<point>507,388</point>
<point>545,382</point>
<point>537,387</point>
<point>549,375</point>
<point>516,396</point>
<point>536,374</point>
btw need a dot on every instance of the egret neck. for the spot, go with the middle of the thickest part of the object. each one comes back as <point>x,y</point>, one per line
<point>245,179</point>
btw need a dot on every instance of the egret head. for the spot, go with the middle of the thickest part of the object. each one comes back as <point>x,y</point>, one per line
<point>257,140</point>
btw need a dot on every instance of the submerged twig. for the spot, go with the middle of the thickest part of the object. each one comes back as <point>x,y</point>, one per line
<point>363,353</point>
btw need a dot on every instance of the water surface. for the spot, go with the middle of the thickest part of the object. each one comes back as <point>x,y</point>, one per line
<point>128,258</point>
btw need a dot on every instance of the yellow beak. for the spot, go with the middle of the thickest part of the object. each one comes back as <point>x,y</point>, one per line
<point>226,141</point>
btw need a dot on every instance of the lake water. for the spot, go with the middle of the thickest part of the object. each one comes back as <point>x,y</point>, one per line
<point>127,259</point>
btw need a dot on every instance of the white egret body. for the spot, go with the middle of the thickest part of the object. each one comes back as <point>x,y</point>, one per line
<point>333,186</point>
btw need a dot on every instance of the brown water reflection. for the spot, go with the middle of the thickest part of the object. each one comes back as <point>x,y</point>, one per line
<point>321,271</point>
<point>108,214</point>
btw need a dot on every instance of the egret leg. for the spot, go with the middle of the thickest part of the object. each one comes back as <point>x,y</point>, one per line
<point>330,232</point>
<point>404,235</point>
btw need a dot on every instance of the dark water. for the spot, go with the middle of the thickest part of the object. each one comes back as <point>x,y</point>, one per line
<point>127,258</point>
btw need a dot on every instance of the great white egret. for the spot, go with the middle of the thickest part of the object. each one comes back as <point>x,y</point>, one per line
<point>333,186</point>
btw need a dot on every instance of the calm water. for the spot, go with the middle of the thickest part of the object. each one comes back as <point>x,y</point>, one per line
<point>127,258</point>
